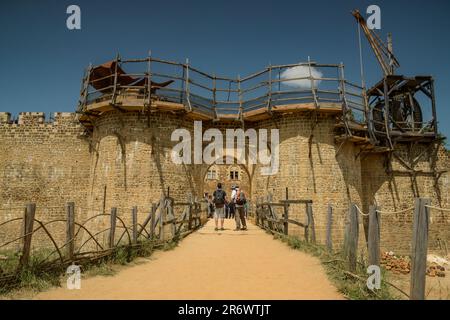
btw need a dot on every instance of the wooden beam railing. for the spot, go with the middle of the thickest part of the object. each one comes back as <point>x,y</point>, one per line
<point>267,218</point>
<point>162,223</point>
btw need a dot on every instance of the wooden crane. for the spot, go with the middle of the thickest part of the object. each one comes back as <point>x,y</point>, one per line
<point>383,52</point>
<point>394,112</point>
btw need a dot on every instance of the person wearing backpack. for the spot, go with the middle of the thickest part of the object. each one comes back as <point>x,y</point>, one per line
<point>219,199</point>
<point>210,206</point>
<point>240,201</point>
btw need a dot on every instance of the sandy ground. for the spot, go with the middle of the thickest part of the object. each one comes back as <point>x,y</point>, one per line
<point>214,265</point>
<point>435,288</point>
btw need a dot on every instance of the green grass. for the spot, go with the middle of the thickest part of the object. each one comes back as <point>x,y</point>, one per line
<point>351,285</point>
<point>31,277</point>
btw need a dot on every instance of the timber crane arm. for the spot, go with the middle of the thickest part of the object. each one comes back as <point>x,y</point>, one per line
<point>393,110</point>
<point>383,53</point>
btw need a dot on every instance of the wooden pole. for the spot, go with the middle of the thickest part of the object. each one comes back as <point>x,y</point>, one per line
<point>134,221</point>
<point>171,215</point>
<point>374,236</point>
<point>286,214</point>
<point>353,238</point>
<point>153,222</point>
<point>162,218</point>
<point>419,248</point>
<point>70,229</point>
<point>329,241</point>
<point>104,199</point>
<point>112,230</point>
<point>149,78</point>
<point>269,93</point>
<point>114,94</point>
<point>29,214</point>
<point>190,216</point>
<point>311,226</point>
<point>187,87</point>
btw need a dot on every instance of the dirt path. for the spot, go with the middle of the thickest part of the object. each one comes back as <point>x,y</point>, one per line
<point>214,265</point>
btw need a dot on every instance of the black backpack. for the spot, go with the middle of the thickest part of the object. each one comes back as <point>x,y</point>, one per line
<point>219,197</point>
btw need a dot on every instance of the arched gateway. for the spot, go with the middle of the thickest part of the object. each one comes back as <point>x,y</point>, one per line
<point>116,150</point>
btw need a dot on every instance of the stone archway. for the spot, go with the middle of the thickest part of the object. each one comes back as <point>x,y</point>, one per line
<point>228,175</point>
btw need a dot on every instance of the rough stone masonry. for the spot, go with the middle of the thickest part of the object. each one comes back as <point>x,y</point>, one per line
<point>126,162</point>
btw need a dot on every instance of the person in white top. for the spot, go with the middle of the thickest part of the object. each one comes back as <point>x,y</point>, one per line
<point>232,204</point>
<point>240,201</point>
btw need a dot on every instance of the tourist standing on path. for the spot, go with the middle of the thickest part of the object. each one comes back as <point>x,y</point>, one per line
<point>219,198</point>
<point>232,204</point>
<point>240,201</point>
<point>210,206</point>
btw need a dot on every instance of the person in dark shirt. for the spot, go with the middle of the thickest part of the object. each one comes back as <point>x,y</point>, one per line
<point>219,199</point>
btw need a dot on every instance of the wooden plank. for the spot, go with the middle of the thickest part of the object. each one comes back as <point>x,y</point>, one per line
<point>183,220</point>
<point>311,225</point>
<point>296,223</point>
<point>374,236</point>
<point>29,215</point>
<point>134,222</point>
<point>353,238</point>
<point>419,248</point>
<point>329,241</point>
<point>112,230</point>
<point>273,204</point>
<point>70,229</point>
<point>299,201</point>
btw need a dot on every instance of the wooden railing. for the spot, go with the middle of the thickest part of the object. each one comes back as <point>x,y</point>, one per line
<point>267,218</point>
<point>275,85</point>
<point>358,249</point>
<point>159,227</point>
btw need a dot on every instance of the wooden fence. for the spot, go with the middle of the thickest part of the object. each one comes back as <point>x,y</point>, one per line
<point>267,219</point>
<point>160,226</point>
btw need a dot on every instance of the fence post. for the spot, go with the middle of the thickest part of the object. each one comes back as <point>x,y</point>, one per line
<point>419,248</point>
<point>153,222</point>
<point>134,221</point>
<point>374,236</point>
<point>329,242</point>
<point>353,238</point>
<point>28,223</point>
<point>190,214</point>
<point>171,216</point>
<point>286,218</point>
<point>112,230</point>
<point>162,208</point>
<point>286,214</point>
<point>70,229</point>
<point>311,226</point>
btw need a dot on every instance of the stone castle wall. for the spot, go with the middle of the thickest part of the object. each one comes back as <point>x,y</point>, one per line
<point>131,164</point>
<point>312,168</point>
<point>126,162</point>
<point>394,193</point>
<point>45,162</point>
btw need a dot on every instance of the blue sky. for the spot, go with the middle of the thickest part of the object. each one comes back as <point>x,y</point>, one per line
<point>42,62</point>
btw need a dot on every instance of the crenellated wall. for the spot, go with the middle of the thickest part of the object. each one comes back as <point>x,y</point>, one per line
<point>45,162</point>
<point>126,162</point>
